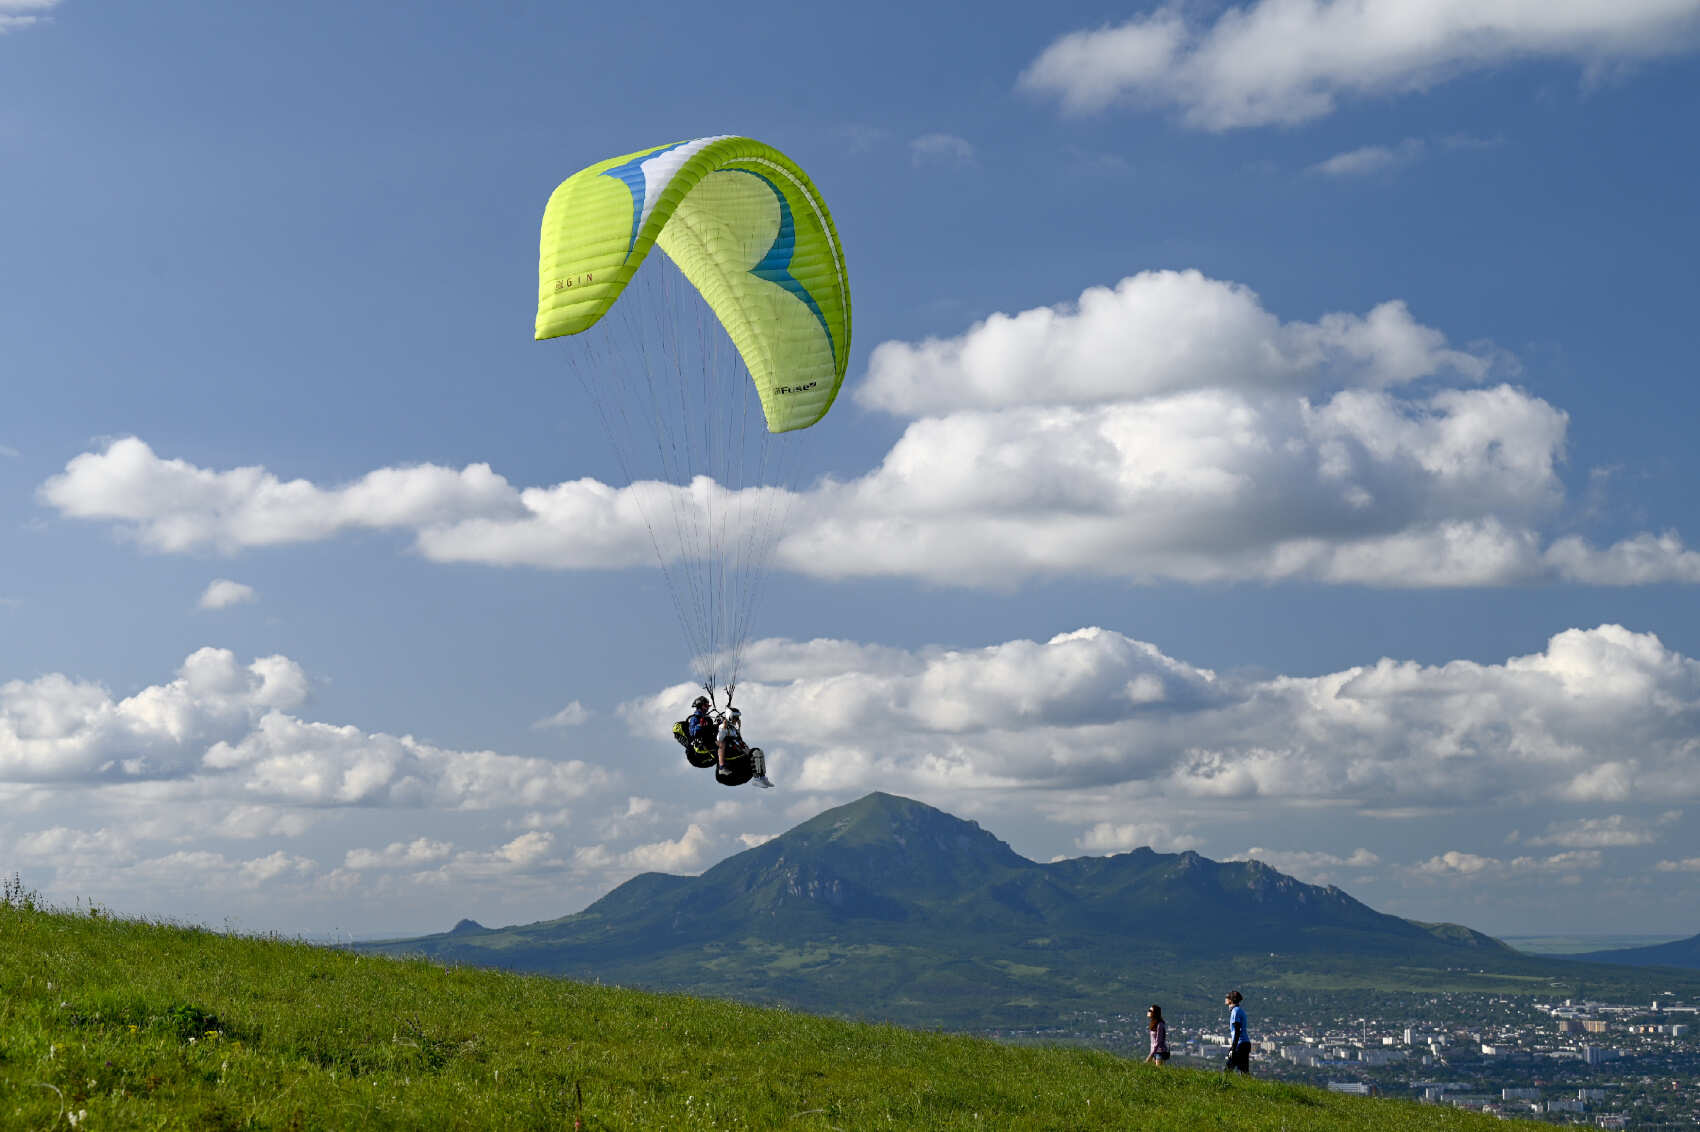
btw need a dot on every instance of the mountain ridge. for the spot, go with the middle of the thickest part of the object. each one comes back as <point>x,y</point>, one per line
<point>888,907</point>
<point>1676,953</point>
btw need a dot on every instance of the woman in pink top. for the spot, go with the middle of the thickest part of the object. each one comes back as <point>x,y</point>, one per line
<point>1159,1036</point>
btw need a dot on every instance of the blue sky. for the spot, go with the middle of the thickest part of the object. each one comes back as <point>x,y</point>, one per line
<point>1267,431</point>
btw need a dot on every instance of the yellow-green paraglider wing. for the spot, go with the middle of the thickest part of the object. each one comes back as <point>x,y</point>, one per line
<point>745,226</point>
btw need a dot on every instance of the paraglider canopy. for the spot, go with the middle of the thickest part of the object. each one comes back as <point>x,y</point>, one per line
<point>748,230</point>
<point>763,271</point>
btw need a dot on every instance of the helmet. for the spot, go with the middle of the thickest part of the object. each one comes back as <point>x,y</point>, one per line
<point>700,701</point>
<point>733,713</point>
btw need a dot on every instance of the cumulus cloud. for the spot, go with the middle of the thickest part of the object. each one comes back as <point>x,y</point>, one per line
<point>1455,864</point>
<point>686,854</point>
<point>1286,61</point>
<point>192,871</point>
<point>273,865</point>
<point>18,14</point>
<point>1119,837</point>
<point>527,853</point>
<point>1315,867</point>
<point>1599,716</point>
<point>1155,333</point>
<point>249,822</point>
<point>1643,559</point>
<point>283,758</point>
<point>469,515</point>
<point>1365,160</point>
<point>222,593</point>
<point>1610,832</point>
<point>572,715</point>
<point>941,149</point>
<point>55,728</point>
<point>1169,427</point>
<point>399,854</point>
<point>224,726</point>
<point>527,857</point>
<point>63,845</point>
<point>176,506</point>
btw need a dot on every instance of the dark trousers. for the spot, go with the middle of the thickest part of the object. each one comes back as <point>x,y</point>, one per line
<point>1239,1058</point>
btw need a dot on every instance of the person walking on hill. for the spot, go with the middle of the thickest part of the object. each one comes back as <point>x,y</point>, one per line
<point>1239,1038</point>
<point>1159,1036</point>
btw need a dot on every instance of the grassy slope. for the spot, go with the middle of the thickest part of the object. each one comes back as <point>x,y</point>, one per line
<point>155,1026</point>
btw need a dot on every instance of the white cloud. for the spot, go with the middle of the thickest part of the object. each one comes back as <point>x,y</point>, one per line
<point>572,715</point>
<point>1365,160</point>
<point>285,759</point>
<point>274,865</point>
<point>65,846</point>
<point>249,822</point>
<point>223,593</point>
<point>1600,716</point>
<point>56,728</point>
<point>1119,837</point>
<point>18,14</point>
<point>1454,863</point>
<point>1156,333</point>
<point>1169,427</point>
<point>527,848</point>
<point>686,854</point>
<point>1286,61</point>
<point>1566,862</point>
<point>194,871</point>
<point>1644,559</point>
<point>528,855</point>
<point>399,854</point>
<point>1469,865</point>
<point>224,727</point>
<point>941,149</point>
<point>1609,832</point>
<point>1315,867</point>
<point>176,506</point>
<point>1686,865</point>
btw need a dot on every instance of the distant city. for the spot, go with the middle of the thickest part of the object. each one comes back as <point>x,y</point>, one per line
<point>1569,1062</point>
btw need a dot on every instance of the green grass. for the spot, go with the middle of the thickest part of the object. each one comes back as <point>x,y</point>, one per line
<point>121,1024</point>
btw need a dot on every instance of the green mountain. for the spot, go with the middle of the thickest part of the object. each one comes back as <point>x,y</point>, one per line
<point>1677,953</point>
<point>891,909</point>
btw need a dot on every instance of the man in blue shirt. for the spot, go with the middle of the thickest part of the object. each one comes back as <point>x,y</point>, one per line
<point>1239,1038</point>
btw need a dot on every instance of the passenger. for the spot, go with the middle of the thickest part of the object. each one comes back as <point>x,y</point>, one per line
<point>729,734</point>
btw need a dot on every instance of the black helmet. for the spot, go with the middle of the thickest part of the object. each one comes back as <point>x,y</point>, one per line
<point>700,701</point>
